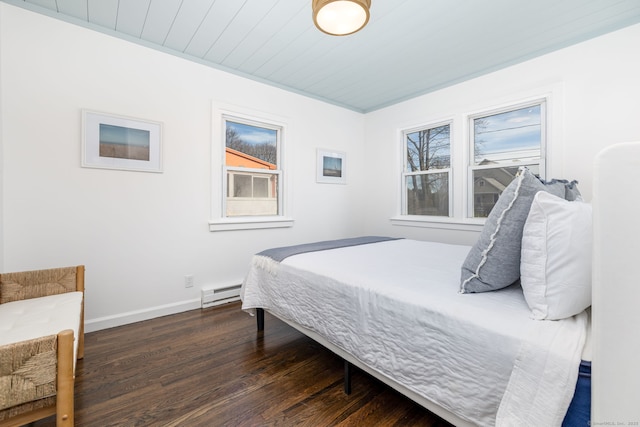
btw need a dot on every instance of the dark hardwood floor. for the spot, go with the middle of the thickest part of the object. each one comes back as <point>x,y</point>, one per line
<point>212,368</point>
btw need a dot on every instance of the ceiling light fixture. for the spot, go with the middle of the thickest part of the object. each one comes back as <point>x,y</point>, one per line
<point>340,17</point>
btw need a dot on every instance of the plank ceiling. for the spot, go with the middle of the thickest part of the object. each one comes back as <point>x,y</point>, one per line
<point>409,47</point>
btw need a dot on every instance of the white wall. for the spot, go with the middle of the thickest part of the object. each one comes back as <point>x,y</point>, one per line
<point>139,233</point>
<point>596,103</point>
<point>1,157</point>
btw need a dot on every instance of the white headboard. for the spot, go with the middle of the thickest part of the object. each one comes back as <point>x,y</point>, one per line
<point>616,286</point>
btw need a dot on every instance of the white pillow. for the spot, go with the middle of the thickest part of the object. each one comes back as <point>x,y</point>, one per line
<point>555,263</point>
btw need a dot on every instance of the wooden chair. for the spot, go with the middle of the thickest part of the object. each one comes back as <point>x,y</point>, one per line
<point>37,375</point>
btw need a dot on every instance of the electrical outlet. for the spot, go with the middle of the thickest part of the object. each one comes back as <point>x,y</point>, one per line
<point>188,281</point>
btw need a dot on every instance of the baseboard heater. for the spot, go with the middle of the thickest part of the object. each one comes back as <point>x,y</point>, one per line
<point>220,294</point>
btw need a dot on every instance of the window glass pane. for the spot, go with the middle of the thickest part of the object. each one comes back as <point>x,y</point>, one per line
<point>254,194</point>
<point>241,185</point>
<point>428,194</point>
<point>250,146</point>
<point>506,137</point>
<point>428,149</point>
<point>260,187</point>
<point>488,185</point>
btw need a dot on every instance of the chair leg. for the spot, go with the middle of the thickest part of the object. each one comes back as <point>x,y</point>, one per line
<point>64,394</point>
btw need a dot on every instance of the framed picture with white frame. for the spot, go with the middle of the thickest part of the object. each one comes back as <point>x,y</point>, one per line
<point>117,142</point>
<point>331,167</point>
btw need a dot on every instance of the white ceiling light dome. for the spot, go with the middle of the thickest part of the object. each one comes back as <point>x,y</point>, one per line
<point>340,17</point>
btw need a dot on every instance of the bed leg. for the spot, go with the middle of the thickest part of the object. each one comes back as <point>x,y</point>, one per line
<point>347,377</point>
<point>260,318</point>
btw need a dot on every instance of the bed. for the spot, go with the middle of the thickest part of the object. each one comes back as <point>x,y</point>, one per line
<point>447,325</point>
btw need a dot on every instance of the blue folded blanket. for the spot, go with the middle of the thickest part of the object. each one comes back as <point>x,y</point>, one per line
<point>278,254</point>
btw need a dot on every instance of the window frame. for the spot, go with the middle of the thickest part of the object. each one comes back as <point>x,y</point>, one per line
<point>219,220</point>
<point>254,174</point>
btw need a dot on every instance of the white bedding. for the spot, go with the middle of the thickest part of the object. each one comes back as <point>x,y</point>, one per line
<point>395,306</point>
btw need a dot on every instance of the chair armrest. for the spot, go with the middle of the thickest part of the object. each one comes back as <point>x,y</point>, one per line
<point>28,370</point>
<point>36,367</point>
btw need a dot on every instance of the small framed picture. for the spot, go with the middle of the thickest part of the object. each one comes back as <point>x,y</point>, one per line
<point>117,142</point>
<point>331,167</point>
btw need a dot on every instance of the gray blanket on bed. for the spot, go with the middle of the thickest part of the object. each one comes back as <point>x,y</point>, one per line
<point>278,254</point>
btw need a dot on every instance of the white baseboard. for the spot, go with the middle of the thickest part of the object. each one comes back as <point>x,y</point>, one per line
<point>120,319</point>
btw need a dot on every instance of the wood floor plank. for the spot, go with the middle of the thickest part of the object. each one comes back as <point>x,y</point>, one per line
<point>212,368</point>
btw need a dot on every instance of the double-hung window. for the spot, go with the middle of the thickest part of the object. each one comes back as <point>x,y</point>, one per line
<point>500,142</point>
<point>249,189</point>
<point>251,168</point>
<point>426,173</point>
<point>454,171</point>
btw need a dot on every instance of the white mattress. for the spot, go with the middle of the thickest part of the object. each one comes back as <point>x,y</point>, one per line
<point>37,317</point>
<point>401,314</point>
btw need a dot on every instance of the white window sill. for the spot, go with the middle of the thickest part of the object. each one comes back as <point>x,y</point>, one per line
<point>249,223</point>
<point>443,223</point>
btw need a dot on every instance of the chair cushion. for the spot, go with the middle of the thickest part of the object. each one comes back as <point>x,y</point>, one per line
<point>37,317</point>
